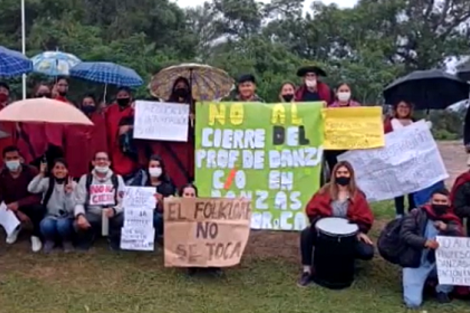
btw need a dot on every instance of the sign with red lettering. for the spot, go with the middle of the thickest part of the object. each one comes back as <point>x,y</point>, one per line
<point>205,232</point>
<point>102,195</point>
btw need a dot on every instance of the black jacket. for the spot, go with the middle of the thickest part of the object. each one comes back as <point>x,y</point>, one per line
<point>461,202</point>
<point>412,236</point>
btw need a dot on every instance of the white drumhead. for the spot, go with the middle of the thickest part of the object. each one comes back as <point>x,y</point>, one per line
<point>336,226</point>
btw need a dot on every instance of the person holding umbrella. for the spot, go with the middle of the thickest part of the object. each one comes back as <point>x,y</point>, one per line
<point>312,89</point>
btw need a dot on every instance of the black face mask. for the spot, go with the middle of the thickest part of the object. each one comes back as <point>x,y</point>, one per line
<point>288,98</point>
<point>343,181</point>
<point>440,209</point>
<point>62,93</point>
<point>181,92</point>
<point>43,95</point>
<point>88,109</point>
<point>123,102</point>
<point>60,180</point>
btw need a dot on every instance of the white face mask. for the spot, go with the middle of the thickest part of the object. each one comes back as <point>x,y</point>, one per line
<point>102,169</point>
<point>311,83</point>
<point>155,171</point>
<point>344,96</point>
<point>13,165</point>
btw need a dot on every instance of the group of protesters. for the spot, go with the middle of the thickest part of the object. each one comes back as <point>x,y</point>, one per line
<point>50,170</point>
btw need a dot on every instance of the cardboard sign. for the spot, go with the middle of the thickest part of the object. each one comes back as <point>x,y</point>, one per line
<point>205,232</point>
<point>102,195</point>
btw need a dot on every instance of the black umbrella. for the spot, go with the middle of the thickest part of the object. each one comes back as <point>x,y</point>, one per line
<point>431,89</point>
<point>464,72</point>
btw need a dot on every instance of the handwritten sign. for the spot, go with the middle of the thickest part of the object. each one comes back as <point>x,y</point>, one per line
<point>138,239</point>
<point>269,153</point>
<point>138,232</point>
<point>453,261</point>
<point>205,232</point>
<point>161,121</point>
<point>353,128</point>
<point>410,161</point>
<point>102,195</point>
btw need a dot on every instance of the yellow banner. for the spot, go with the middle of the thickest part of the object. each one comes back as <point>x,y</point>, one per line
<point>353,128</point>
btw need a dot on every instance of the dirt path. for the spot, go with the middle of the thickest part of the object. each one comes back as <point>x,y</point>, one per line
<point>454,157</point>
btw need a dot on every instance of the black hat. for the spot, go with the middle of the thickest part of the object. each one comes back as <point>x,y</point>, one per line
<point>311,69</point>
<point>5,85</point>
<point>246,78</point>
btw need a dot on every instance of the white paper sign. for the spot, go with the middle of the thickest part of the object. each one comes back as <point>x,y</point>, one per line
<point>453,261</point>
<point>137,239</point>
<point>161,121</point>
<point>8,219</point>
<point>138,218</point>
<point>409,162</point>
<point>139,197</point>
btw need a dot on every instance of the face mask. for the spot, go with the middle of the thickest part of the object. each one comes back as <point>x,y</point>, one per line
<point>60,180</point>
<point>102,169</point>
<point>62,93</point>
<point>155,171</point>
<point>288,98</point>
<point>3,97</point>
<point>440,209</point>
<point>122,102</point>
<point>13,165</point>
<point>344,96</point>
<point>343,181</point>
<point>88,109</point>
<point>311,83</point>
<point>181,92</point>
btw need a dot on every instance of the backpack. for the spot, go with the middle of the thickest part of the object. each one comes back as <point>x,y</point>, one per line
<point>389,244</point>
<point>114,181</point>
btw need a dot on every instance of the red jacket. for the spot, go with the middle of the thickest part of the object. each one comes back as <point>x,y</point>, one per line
<point>324,92</point>
<point>121,164</point>
<point>359,211</point>
<point>32,141</point>
<point>10,128</point>
<point>459,181</point>
<point>82,142</point>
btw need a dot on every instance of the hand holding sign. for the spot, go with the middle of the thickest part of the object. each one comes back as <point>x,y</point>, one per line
<point>432,244</point>
<point>109,212</point>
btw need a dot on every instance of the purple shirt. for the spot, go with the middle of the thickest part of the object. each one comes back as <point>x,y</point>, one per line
<point>350,104</point>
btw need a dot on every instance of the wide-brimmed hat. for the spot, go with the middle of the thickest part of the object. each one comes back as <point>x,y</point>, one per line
<point>311,69</point>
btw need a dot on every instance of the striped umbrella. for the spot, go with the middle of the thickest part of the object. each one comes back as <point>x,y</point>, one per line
<point>54,63</point>
<point>14,63</point>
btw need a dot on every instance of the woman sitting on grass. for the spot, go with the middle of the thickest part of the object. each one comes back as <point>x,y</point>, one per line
<point>58,199</point>
<point>338,198</point>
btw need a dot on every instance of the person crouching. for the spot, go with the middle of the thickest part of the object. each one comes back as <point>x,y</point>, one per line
<point>419,231</point>
<point>99,194</point>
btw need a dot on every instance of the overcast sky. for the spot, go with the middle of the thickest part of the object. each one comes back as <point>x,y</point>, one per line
<point>341,3</point>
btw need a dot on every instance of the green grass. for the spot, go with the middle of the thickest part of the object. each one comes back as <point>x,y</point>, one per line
<point>265,282</point>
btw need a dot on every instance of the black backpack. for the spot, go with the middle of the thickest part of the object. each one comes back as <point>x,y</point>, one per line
<point>389,244</point>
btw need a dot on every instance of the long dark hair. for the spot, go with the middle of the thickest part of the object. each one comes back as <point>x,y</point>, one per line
<point>174,97</point>
<point>188,186</point>
<point>164,178</point>
<point>52,181</point>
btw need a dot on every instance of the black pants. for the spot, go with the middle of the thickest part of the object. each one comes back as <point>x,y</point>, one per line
<point>400,204</point>
<point>36,213</point>
<point>86,237</point>
<point>308,237</point>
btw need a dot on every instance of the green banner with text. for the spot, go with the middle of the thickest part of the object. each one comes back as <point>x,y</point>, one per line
<point>269,153</point>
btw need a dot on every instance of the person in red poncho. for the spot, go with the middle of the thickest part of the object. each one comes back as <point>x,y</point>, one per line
<point>8,127</point>
<point>339,198</point>
<point>119,118</point>
<point>460,197</point>
<point>82,142</point>
<point>313,89</point>
<point>179,156</point>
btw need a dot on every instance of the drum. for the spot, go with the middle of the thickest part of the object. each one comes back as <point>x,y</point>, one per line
<point>334,255</point>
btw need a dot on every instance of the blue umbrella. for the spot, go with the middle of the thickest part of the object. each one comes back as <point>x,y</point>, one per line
<point>107,73</point>
<point>54,63</point>
<point>14,63</point>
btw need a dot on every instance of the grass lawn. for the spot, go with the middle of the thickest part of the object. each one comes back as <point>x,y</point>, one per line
<point>265,282</point>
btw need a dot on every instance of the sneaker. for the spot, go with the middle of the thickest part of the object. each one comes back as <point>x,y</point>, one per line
<point>442,297</point>
<point>305,279</point>
<point>11,239</point>
<point>36,244</point>
<point>48,245</point>
<point>68,246</point>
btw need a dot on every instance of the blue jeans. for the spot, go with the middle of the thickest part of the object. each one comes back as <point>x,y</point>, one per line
<point>158,223</point>
<point>56,228</point>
